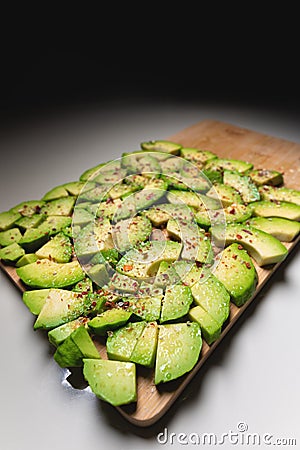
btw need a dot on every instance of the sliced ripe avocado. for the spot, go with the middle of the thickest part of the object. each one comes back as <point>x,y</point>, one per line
<point>30,221</point>
<point>163,146</point>
<point>283,229</point>
<point>99,274</point>
<point>243,184</point>
<point>232,213</point>
<point>280,194</point>
<point>58,249</point>
<point>237,273</point>
<point>109,320</point>
<point>140,163</point>
<point>93,238</point>
<point>146,307</point>
<point>196,200</point>
<point>267,208</point>
<point>109,177</point>
<point>7,219</point>
<point>89,173</point>
<point>54,224</point>
<point>55,193</point>
<point>229,164</point>
<point>143,262</point>
<point>33,239</point>
<point>75,347</point>
<point>59,207</point>
<point>76,187</point>
<point>224,193</point>
<point>82,216</point>
<point>112,381</point>
<point>62,306</point>
<point>10,236</point>
<point>49,274</point>
<point>130,232</point>
<point>120,343</point>
<point>209,293</point>
<point>166,275</point>
<point>176,303</point>
<point>197,155</point>
<point>210,328</point>
<point>178,350</point>
<point>11,253</point>
<point>144,351</point>
<point>28,208</point>
<point>123,283</point>
<point>265,176</point>
<point>263,247</point>
<point>57,335</point>
<point>35,300</point>
<point>28,258</point>
<point>107,208</point>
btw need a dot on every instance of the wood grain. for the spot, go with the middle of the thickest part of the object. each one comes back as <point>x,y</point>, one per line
<point>233,142</point>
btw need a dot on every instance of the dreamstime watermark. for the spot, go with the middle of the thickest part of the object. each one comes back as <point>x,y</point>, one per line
<point>239,437</point>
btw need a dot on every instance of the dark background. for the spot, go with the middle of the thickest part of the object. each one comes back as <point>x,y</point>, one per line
<point>42,78</point>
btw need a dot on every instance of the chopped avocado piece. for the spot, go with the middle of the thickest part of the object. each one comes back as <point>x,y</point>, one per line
<point>237,273</point>
<point>28,258</point>
<point>263,247</point>
<point>10,236</point>
<point>59,207</point>
<point>82,216</point>
<point>11,253</point>
<point>267,208</point>
<point>112,381</point>
<point>96,195</point>
<point>89,173</point>
<point>265,176</point>
<point>197,155</point>
<point>210,328</point>
<point>162,146</point>
<point>178,350</point>
<point>150,194</point>
<point>197,247</point>
<point>30,221</point>
<point>185,198</point>
<point>140,163</point>
<point>146,307</point>
<point>75,347</point>
<point>130,232</point>
<point>110,177</point>
<point>144,351</point>
<point>144,261</point>
<point>280,194</point>
<point>58,249</point>
<point>122,189</point>
<point>49,274</point>
<point>28,208</point>
<point>120,343</point>
<point>94,237</point>
<point>54,224</point>
<point>84,285</point>
<point>232,213</point>
<point>7,219</point>
<point>107,208</point>
<point>209,293</point>
<point>76,187</point>
<point>166,275</point>
<point>243,184</point>
<point>55,193</point>
<point>59,334</point>
<point>99,274</point>
<point>62,306</point>
<point>224,193</point>
<point>123,283</point>
<point>33,239</point>
<point>109,320</point>
<point>228,164</point>
<point>35,300</point>
<point>176,303</point>
<point>283,229</point>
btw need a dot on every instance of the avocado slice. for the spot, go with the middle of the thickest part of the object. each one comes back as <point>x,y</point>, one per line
<point>30,221</point>
<point>178,350</point>
<point>59,207</point>
<point>35,299</point>
<point>59,334</point>
<point>28,208</point>
<point>228,164</point>
<point>160,145</point>
<point>280,194</point>
<point>224,193</point>
<point>122,283</point>
<point>28,258</point>
<point>265,176</point>
<point>77,346</point>
<point>237,273</point>
<point>93,238</point>
<point>283,229</point>
<point>268,208</point>
<point>176,303</point>
<point>243,184</point>
<point>263,247</point>
<point>193,199</point>
<point>109,320</point>
<point>49,274</point>
<point>140,163</point>
<point>144,261</point>
<point>130,232</point>
<point>58,249</point>
<point>120,343</point>
<point>210,328</point>
<point>232,213</point>
<point>112,381</point>
<point>144,352</point>
<point>197,155</point>
<point>11,253</point>
<point>8,219</point>
<point>55,193</point>
<point>10,236</point>
<point>166,275</point>
<point>146,307</point>
<point>62,306</point>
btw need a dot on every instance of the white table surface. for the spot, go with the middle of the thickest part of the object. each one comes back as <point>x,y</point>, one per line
<point>253,377</point>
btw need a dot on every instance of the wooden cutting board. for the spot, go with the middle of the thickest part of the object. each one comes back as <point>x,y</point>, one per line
<point>231,142</point>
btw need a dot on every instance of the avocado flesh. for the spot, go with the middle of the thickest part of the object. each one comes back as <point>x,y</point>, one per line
<point>161,146</point>
<point>35,299</point>
<point>237,273</point>
<point>10,236</point>
<point>210,328</point>
<point>130,232</point>
<point>176,303</point>
<point>228,164</point>
<point>48,274</point>
<point>7,219</point>
<point>197,155</point>
<point>263,247</point>
<point>266,177</point>
<point>111,381</point>
<point>120,343</point>
<point>178,350</point>
<point>58,249</point>
<point>243,184</point>
<point>268,208</point>
<point>11,253</point>
<point>59,334</point>
<point>283,229</point>
<point>28,258</point>
<point>144,352</point>
<point>280,194</point>
<point>224,193</point>
<point>146,307</point>
<point>109,320</point>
